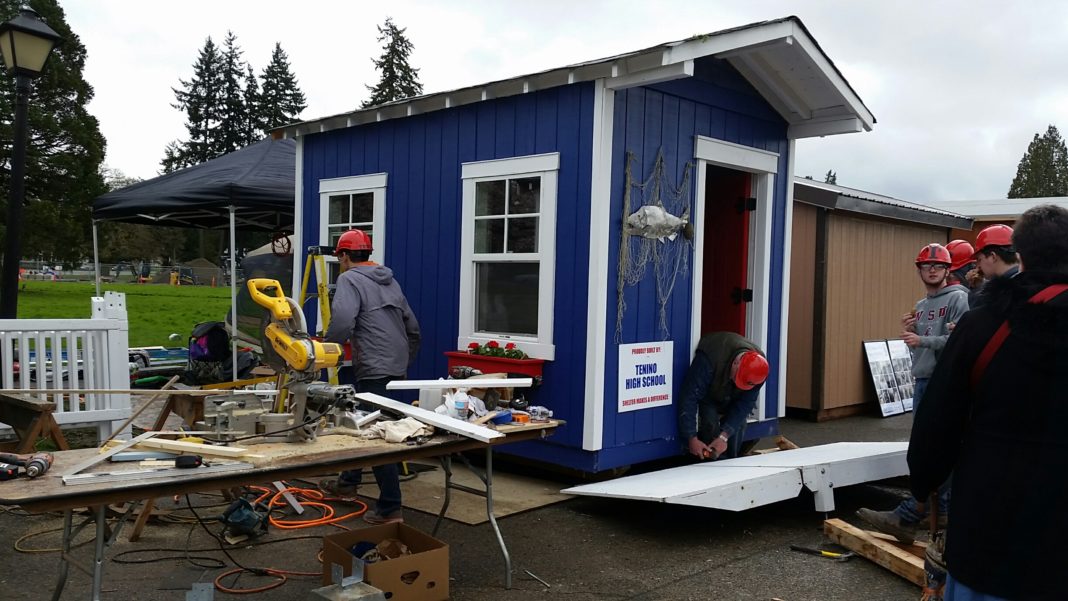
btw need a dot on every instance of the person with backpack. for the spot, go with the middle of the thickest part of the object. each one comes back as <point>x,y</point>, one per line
<point>370,312</point>
<point>994,417</point>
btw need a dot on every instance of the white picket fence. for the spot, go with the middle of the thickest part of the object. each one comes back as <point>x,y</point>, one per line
<point>70,354</point>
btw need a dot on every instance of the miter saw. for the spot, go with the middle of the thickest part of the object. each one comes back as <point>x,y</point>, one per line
<point>289,350</point>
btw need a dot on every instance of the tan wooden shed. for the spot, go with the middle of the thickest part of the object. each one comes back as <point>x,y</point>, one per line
<point>852,277</point>
<point>988,212</point>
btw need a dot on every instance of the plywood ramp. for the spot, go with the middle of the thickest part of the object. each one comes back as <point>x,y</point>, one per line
<point>745,482</point>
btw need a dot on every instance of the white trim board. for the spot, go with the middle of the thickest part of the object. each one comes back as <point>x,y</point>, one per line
<point>467,383</point>
<point>745,482</point>
<point>597,289</point>
<point>480,433</point>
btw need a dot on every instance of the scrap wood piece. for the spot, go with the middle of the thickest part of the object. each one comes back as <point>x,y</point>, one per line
<point>891,557</point>
<point>193,447</point>
<point>480,433</point>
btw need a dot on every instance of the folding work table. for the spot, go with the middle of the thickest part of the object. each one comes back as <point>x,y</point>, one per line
<point>49,493</point>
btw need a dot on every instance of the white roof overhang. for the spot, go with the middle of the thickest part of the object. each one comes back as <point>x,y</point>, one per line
<point>779,59</point>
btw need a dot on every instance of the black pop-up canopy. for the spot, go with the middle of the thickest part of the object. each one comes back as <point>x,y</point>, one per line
<point>256,181</point>
<point>250,188</point>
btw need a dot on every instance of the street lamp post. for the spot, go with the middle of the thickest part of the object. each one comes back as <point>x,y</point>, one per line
<point>25,42</point>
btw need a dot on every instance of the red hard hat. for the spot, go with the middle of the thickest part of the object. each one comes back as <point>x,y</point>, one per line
<point>353,240</point>
<point>961,252</point>
<point>994,235</point>
<point>934,253</point>
<point>750,370</point>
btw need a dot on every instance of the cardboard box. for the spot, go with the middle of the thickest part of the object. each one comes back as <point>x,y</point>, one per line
<point>421,576</point>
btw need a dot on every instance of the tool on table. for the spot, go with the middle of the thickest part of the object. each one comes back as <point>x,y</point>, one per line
<point>287,348</point>
<point>835,555</point>
<point>34,464</point>
<point>188,461</point>
<point>8,471</point>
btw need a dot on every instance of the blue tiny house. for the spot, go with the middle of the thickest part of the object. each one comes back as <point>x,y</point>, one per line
<point>600,216</point>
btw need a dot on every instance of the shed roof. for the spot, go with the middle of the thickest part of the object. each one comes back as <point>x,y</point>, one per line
<point>779,58</point>
<point>832,196</point>
<point>998,209</point>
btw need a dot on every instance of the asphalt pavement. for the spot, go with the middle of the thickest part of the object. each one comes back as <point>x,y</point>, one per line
<point>582,549</point>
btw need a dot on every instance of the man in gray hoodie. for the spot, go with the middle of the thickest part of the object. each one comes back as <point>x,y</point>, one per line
<point>370,311</point>
<point>926,331</point>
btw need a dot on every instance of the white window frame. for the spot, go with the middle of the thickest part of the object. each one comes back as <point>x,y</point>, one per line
<point>357,184</point>
<point>547,167</point>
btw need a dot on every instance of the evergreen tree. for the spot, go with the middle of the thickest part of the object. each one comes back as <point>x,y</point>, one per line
<point>1043,170</point>
<point>233,114</point>
<point>201,100</point>
<point>252,128</point>
<point>65,147</point>
<point>281,100</point>
<point>830,178</point>
<point>399,80</point>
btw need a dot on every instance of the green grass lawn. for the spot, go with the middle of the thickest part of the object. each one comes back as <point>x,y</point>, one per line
<point>155,310</point>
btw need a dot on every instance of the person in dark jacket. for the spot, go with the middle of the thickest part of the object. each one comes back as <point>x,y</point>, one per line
<point>995,257</point>
<point>370,311</point>
<point>718,394</point>
<point>995,417</point>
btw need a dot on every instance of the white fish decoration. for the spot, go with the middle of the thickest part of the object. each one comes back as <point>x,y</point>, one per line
<point>654,222</point>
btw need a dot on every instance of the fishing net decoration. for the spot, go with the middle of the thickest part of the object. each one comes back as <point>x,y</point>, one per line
<point>668,252</point>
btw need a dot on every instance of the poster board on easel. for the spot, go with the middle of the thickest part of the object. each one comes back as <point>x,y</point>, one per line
<point>882,374</point>
<point>901,360</point>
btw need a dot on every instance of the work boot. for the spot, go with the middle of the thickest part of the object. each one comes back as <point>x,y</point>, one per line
<point>372,517</point>
<point>890,523</point>
<point>338,488</point>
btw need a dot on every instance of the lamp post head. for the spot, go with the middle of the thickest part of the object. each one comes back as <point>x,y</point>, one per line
<point>26,42</point>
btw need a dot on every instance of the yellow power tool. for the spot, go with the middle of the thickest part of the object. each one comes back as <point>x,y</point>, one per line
<point>287,337</point>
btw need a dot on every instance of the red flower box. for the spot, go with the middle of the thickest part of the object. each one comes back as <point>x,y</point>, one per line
<point>492,365</point>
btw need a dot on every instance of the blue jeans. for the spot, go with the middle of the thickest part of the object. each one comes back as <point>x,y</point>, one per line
<point>908,509</point>
<point>955,591</point>
<point>386,476</point>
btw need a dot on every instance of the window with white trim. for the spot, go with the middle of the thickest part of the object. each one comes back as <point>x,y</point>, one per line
<point>508,250</point>
<point>353,203</point>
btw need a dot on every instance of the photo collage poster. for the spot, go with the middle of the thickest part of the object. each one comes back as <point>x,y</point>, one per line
<point>882,374</point>
<point>901,359</point>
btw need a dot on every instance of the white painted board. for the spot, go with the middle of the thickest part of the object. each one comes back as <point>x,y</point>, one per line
<point>468,383</point>
<point>745,482</point>
<point>437,420</point>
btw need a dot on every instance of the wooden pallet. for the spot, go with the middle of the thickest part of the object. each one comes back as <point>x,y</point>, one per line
<point>904,560</point>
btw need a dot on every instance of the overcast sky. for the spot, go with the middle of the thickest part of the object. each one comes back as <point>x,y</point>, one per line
<point>958,88</point>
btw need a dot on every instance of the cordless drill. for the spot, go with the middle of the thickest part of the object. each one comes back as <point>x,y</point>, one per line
<point>34,464</point>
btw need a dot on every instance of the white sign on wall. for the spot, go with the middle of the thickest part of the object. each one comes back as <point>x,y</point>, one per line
<point>644,375</point>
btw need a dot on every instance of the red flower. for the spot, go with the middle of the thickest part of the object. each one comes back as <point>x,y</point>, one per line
<point>493,344</point>
<point>509,346</point>
<point>473,345</point>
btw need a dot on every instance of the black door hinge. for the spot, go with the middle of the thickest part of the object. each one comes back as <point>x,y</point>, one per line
<point>739,295</point>
<point>745,204</point>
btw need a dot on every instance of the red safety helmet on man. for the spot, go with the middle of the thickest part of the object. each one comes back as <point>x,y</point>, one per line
<point>934,253</point>
<point>961,252</point>
<point>353,240</point>
<point>994,235</point>
<point>750,369</point>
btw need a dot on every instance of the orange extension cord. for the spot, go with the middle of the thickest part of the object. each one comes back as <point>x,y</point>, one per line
<point>307,497</point>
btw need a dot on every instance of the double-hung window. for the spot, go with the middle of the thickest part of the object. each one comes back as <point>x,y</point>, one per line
<point>508,243</point>
<point>353,203</point>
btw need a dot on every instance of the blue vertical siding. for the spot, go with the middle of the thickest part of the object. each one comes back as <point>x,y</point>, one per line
<point>422,156</point>
<point>717,103</point>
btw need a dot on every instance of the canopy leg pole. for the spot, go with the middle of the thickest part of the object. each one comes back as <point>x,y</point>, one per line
<point>233,293</point>
<point>96,260</point>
